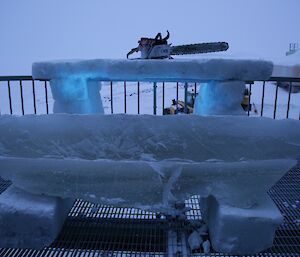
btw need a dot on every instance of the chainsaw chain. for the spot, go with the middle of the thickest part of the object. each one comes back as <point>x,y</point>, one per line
<point>199,48</point>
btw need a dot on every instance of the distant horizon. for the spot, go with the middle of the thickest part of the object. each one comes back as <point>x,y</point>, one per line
<point>36,30</point>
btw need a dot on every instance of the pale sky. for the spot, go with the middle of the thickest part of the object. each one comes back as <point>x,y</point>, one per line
<point>40,30</point>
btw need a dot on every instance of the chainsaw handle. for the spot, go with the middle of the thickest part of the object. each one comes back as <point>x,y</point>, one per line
<point>133,50</point>
<point>167,36</point>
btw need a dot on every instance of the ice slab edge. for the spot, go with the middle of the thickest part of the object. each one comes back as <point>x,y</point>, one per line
<point>147,185</point>
<point>241,230</point>
<point>74,88</point>
<point>30,221</point>
<point>154,70</point>
<point>149,138</point>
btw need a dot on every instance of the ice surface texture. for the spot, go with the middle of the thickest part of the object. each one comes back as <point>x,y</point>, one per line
<point>101,157</point>
<point>30,221</point>
<point>220,98</point>
<point>241,230</point>
<point>152,161</point>
<point>147,137</point>
<point>155,70</point>
<point>138,184</point>
<point>76,95</point>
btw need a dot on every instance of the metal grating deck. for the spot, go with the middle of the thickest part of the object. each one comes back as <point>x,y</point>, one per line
<point>96,230</point>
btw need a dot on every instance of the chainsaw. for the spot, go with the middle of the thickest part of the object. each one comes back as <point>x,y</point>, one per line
<point>159,48</point>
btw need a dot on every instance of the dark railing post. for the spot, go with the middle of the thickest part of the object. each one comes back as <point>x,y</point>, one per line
<point>275,103</point>
<point>163,97</point>
<point>185,97</point>
<point>138,92</point>
<point>177,97</point>
<point>263,99</point>
<point>249,105</point>
<point>33,94</point>
<point>21,80</point>
<point>125,107</point>
<point>9,97</point>
<point>154,97</point>
<point>46,95</point>
<point>289,100</point>
<point>111,98</point>
<point>21,94</point>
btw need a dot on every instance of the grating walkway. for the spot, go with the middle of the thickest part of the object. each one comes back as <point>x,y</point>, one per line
<point>96,230</point>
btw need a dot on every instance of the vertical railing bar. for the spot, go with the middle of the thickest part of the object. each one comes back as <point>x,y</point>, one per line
<point>289,100</point>
<point>163,97</point>
<point>34,99</point>
<point>138,89</point>
<point>263,99</point>
<point>185,97</point>
<point>46,95</point>
<point>177,97</point>
<point>21,94</point>
<point>275,103</point>
<point>111,98</point>
<point>154,97</point>
<point>195,94</point>
<point>9,96</point>
<point>125,107</point>
<point>249,104</point>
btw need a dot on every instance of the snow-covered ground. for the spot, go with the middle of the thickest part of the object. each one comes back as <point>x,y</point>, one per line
<point>146,98</point>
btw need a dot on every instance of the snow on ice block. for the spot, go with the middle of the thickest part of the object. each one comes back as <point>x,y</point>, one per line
<point>30,221</point>
<point>242,231</point>
<point>74,92</point>
<point>76,95</point>
<point>155,70</point>
<point>148,137</point>
<point>146,184</point>
<point>220,98</point>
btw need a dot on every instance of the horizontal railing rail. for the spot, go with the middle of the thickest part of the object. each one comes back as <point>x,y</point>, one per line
<point>20,81</point>
<point>12,78</point>
<point>275,79</point>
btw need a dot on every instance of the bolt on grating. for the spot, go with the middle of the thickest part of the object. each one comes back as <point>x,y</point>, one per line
<point>100,230</point>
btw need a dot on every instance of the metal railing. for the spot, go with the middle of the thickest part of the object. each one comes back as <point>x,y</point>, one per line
<point>19,81</point>
<point>277,80</point>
